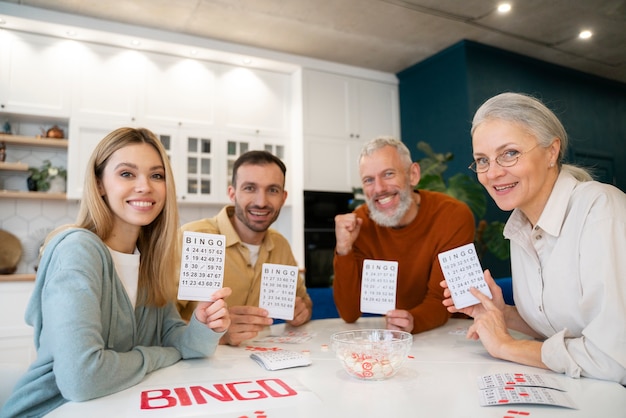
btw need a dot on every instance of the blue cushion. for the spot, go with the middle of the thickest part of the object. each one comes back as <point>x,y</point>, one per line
<point>323,302</point>
<point>506,285</point>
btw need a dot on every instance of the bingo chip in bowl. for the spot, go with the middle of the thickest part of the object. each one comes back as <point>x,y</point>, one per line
<point>372,354</point>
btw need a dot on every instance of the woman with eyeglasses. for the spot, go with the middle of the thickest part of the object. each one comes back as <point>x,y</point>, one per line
<point>568,247</point>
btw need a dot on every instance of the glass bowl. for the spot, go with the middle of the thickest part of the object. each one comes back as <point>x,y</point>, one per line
<point>372,354</point>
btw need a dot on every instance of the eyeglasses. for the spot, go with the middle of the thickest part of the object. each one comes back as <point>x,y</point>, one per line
<point>506,159</point>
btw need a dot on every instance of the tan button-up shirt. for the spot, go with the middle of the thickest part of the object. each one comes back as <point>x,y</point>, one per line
<point>239,274</point>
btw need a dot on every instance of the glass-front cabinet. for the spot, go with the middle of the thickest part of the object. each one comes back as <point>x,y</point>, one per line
<point>199,166</point>
<point>192,152</point>
<point>239,144</point>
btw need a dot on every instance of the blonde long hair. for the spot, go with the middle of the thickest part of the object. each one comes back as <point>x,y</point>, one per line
<point>158,242</point>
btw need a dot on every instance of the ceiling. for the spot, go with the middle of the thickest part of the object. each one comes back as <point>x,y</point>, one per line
<point>384,35</point>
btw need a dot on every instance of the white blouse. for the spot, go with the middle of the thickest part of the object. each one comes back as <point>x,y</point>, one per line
<point>127,268</point>
<point>569,277</point>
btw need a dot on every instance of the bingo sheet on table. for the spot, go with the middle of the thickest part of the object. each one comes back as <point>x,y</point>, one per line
<point>202,265</point>
<point>462,270</point>
<point>278,290</point>
<point>378,286</point>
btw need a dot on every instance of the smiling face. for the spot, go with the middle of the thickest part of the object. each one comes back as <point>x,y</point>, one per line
<point>387,185</point>
<point>525,185</point>
<point>133,185</point>
<point>258,196</point>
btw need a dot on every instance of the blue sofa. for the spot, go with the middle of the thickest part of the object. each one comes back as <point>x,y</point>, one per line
<point>324,304</point>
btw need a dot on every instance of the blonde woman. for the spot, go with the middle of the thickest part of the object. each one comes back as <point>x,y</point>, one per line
<point>103,307</point>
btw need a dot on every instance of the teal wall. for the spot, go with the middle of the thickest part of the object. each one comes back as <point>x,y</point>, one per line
<point>434,106</point>
<point>439,96</point>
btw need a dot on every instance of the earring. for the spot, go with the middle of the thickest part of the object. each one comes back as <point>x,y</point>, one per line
<point>551,165</point>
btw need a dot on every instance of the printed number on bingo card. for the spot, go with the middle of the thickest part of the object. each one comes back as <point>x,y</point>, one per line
<point>462,270</point>
<point>201,266</point>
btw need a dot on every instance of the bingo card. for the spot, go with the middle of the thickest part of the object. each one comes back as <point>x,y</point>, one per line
<point>278,290</point>
<point>378,286</point>
<point>202,265</point>
<point>462,270</point>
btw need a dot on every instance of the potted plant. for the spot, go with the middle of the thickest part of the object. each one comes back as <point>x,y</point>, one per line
<point>489,237</point>
<point>47,178</point>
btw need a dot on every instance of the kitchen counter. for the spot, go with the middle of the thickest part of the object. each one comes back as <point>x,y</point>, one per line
<point>26,277</point>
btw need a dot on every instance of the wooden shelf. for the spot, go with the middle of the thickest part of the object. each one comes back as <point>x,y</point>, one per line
<point>17,277</point>
<point>32,141</point>
<point>13,166</point>
<point>16,194</point>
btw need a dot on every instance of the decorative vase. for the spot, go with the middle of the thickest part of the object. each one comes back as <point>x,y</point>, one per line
<point>57,185</point>
<point>32,184</point>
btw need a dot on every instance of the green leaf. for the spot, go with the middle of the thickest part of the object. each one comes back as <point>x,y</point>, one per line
<point>464,188</point>
<point>495,241</point>
<point>432,182</point>
<point>433,163</point>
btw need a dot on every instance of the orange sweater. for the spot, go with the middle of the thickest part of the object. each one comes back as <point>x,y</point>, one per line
<point>442,223</point>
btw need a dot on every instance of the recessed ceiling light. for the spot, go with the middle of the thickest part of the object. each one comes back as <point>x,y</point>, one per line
<point>135,42</point>
<point>585,34</point>
<point>193,52</point>
<point>504,8</point>
<point>246,61</point>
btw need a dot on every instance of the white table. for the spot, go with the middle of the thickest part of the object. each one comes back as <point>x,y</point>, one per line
<point>439,381</point>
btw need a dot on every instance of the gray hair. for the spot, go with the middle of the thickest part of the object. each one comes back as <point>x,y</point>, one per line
<point>538,120</point>
<point>382,141</point>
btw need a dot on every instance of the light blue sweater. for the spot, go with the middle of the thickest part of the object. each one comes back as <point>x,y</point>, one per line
<point>90,341</point>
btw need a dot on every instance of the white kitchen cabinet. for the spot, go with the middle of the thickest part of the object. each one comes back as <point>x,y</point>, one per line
<point>144,88</point>
<point>254,102</point>
<point>237,144</point>
<point>328,105</point>
<point>107,83</point>
<point>348,107</point>
<point>85,133</point>
<point>35,74</point>
<point>176,99</point>
<point>341,113</point>
<point>177,90</point>
<point>193,154</point>
<point>202,158</point>
<point>378,109</point>
<point>190,148</point>
<point>16,337</point>
<point>327,164</point>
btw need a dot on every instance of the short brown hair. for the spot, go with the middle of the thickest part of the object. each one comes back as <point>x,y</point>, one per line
<point>257,158</point>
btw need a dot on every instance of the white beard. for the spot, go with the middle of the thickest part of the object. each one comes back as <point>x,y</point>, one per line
<point>393,219</point>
